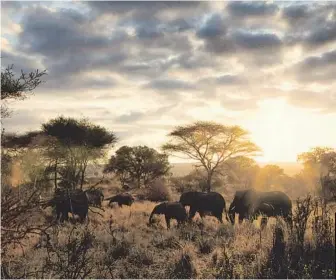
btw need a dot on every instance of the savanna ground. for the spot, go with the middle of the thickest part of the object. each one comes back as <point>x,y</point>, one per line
<point>119,243</point>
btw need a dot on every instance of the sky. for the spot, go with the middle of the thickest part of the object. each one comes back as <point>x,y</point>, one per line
<point>142,68</point>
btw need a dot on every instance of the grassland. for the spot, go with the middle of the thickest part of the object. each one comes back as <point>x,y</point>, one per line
<point>119,243</point>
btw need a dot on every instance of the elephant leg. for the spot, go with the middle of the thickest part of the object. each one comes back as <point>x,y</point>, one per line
<point>192,213</point>
<point>219,216</point>
<point>167,221</point>
<point>289,221</point>
<point>120,204</point>
<point>241,219</point>
<point>64,216</point>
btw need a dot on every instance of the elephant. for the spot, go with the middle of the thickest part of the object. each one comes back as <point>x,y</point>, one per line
<point>66,202</point>
<point>95,197</point>
<point>171,210</point>
<point>211,203</point>
<point>121,199</point>
<point>249,204</point>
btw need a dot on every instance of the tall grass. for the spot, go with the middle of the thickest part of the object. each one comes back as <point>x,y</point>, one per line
<point>120,244</point>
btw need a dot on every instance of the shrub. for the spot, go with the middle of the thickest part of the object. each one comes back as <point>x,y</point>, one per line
<point>182,268</point>
<point>224,266</point>
<point>159,191</point>
<point>206,245</point>
<point>73,259</point>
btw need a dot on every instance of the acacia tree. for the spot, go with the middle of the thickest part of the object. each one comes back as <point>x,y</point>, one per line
<point>211,144</point>
<point>319,168</point>
<point>140,164</point>
<point>66,146</point>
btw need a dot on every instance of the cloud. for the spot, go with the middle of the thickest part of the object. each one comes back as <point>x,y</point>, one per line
<point>213,27</point>
<point>316,68</point>
<point>170,85</point>
<point>256,40</point>
<point>255,8</point>
<point>126,118</point>
<point>123,52</point>
<point>322,34</point>
<point>322,101</point>
<point>294,13</point>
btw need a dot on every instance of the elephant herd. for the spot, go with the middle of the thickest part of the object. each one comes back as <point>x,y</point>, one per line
<point>248,204</point>
<point>78,202</point>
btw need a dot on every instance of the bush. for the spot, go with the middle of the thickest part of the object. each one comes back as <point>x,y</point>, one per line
<point>159,191</point>
<point>182,268</point>
<point>206,245</point>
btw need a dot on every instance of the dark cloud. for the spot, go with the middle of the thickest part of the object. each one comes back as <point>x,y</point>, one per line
<point>316,68</point>
<point>139,42</point>
<point>322,34</point>
<point>252,8</point>
<point>254,40</point>
<point>19,62</point>
<point>311,25</point>
<point>57,34</point>
<point>294,13</point>
<point>149,7</point>
<point>213,27</point>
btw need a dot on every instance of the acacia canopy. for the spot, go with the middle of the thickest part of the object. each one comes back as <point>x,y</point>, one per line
<point>211,144</point>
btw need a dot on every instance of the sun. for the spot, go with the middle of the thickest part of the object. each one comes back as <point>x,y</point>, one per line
<point>273,130</point>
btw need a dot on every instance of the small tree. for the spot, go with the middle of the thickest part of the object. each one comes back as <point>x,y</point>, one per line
<point>210,144</point>
<point>140,164</point>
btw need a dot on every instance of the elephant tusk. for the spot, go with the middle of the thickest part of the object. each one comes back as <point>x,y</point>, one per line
<point>270,205</point>
<point>232,208</point>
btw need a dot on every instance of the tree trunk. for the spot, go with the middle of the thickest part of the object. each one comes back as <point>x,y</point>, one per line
<point>55,178</point>
<point>138,182</point>
<point>209,181</point>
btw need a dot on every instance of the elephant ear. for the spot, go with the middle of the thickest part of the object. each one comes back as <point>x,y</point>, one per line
<point>250,200</point>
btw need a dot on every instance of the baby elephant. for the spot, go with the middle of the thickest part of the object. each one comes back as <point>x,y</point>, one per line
<point>121,199</point>
<point>171,210</point>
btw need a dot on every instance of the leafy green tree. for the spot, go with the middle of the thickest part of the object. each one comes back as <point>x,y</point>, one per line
<point>140,164</point>
<point>210,144</point>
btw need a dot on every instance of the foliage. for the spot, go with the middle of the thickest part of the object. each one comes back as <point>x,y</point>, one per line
<point>17,88</point>
<point>210,144</point>
<point>140,164</point>
<point>320,170</point>
<point>72,260</point>
<point>241,171</point>
<point>17,205</point>
<point>158,190</point>
<point>66,146</point>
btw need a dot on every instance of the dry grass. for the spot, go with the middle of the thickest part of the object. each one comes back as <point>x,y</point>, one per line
<point>121,244</point>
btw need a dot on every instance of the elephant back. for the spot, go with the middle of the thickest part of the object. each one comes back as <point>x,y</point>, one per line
<point>278,201</point>
<point>75,196</point>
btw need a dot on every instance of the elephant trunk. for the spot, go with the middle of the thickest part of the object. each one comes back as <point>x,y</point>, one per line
<point>232,213</point>
<point>158,209</point>
<point>151,217</point>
